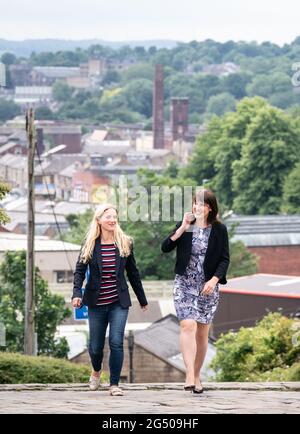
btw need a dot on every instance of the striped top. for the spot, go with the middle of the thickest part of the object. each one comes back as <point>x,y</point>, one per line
<point>108,290</point>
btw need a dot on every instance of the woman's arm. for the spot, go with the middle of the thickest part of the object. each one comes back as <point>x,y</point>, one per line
<point>225,257</point>
<point>168,243</point>
<point>79,276</point>
<point>171,241</point>
<point>135,279</point>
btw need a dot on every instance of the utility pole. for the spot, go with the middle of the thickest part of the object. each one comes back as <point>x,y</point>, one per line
<point>29,344</point>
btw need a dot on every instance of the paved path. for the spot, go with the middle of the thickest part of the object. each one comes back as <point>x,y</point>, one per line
<point>151,399</point>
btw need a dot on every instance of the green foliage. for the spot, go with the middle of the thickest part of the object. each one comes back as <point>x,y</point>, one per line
<point>19,369</point>
<point>270,351</point>
<point>44,113</point>
<point>265,70</point>
<point>4,189</point>
<point>8,59</point>
<point>138,96</point>
<point>61,91</point>
<point>247,156</point>
<point>291,192</point>
<point>220,104</point>
<point>79,224</point>
<point>8,110</point>
<point>50,309</point>
<point>242,261</point>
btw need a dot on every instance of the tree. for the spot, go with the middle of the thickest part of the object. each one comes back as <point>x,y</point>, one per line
<point>44,113</point>
<point>266,352</point>
<point>62,92</point>
<point>247,155</point>
<point>8,59</point>
<point>112,76</point>
<point>136,72</point>
<point>8,110</point>
<point>50,309</point>
<point>291,192</point>
<point>235,84</point>
<point>4,189</point>
<point>220,104</point>
<point>79,224</point>
<point>138,95</point>
<point>269,153</point>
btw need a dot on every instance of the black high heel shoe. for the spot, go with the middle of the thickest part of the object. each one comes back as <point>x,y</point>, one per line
<point>190,388</point>
<point>198,391</point>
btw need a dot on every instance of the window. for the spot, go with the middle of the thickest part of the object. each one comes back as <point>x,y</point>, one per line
<point>64,276</point>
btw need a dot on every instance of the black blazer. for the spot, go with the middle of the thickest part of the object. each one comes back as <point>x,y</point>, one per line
<point>216,259</point>
<point>92,288</point>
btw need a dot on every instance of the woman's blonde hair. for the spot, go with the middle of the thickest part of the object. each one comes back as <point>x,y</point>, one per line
<point>122,241</point>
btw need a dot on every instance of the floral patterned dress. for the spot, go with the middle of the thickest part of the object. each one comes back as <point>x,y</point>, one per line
<point>188,300</point>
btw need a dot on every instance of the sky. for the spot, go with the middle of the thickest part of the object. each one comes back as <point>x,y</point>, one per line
<point>123,20</point>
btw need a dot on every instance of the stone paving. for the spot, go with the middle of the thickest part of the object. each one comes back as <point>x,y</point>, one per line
<point>247,398</point>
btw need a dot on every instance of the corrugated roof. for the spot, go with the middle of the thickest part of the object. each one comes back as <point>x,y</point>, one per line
<point>58,71</point>
<point>16,161</point>
<point>14,242</point>
<point>256,231</point>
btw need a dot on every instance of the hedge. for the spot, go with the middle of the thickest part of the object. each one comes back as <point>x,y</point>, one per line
<point>19,369</point>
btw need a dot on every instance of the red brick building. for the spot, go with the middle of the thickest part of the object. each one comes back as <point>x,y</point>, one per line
<point>274,239</point>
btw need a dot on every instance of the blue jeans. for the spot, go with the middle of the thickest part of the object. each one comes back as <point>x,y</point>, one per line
<point>99,318</point>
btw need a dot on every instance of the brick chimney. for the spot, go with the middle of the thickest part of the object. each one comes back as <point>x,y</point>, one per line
<point>158,108</point>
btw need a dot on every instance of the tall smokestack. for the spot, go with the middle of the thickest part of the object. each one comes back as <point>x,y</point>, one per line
<point>179,114</point>
<point>158,108</point>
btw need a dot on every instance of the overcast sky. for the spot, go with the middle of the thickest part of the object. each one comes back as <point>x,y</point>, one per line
<point>118,20</point>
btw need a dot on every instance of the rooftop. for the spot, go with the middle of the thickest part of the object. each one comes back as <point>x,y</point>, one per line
<point>14,242</point>
<point>268,230</point>
<point>265,284</point>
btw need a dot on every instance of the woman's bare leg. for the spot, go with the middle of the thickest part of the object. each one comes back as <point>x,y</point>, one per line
<point>201,344</point>
<point>188,330</point>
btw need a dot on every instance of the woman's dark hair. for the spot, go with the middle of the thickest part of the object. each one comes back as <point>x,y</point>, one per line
<point>210,199</point>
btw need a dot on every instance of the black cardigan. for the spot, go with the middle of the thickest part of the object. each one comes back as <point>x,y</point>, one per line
<point>216,259</point>
<point>92,288</point>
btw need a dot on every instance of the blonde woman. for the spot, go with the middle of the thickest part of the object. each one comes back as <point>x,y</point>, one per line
<point>108,252</point>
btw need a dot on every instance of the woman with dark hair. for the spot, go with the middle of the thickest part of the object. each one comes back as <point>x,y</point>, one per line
<point>202,261</point>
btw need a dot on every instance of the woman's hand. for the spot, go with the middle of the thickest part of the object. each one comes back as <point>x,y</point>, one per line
<point>144,308</point>
<point>76,302</point>
<point>210,286</point>
<point>187,220</point>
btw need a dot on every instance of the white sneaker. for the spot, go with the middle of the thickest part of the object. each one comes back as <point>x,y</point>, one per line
<point>94,383</point>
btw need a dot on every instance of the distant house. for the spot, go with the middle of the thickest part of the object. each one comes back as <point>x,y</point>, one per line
<point>48,75</point>
<point>222,69</point>
<point>13,169</point>
<point>13,148</point>
<point>55,259</point>
<point>45,223</point>
<point>246,300</point>
<point>38,95</point>
<point>63,134</point>
<point>275,239</point>
<point>20,74</point>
